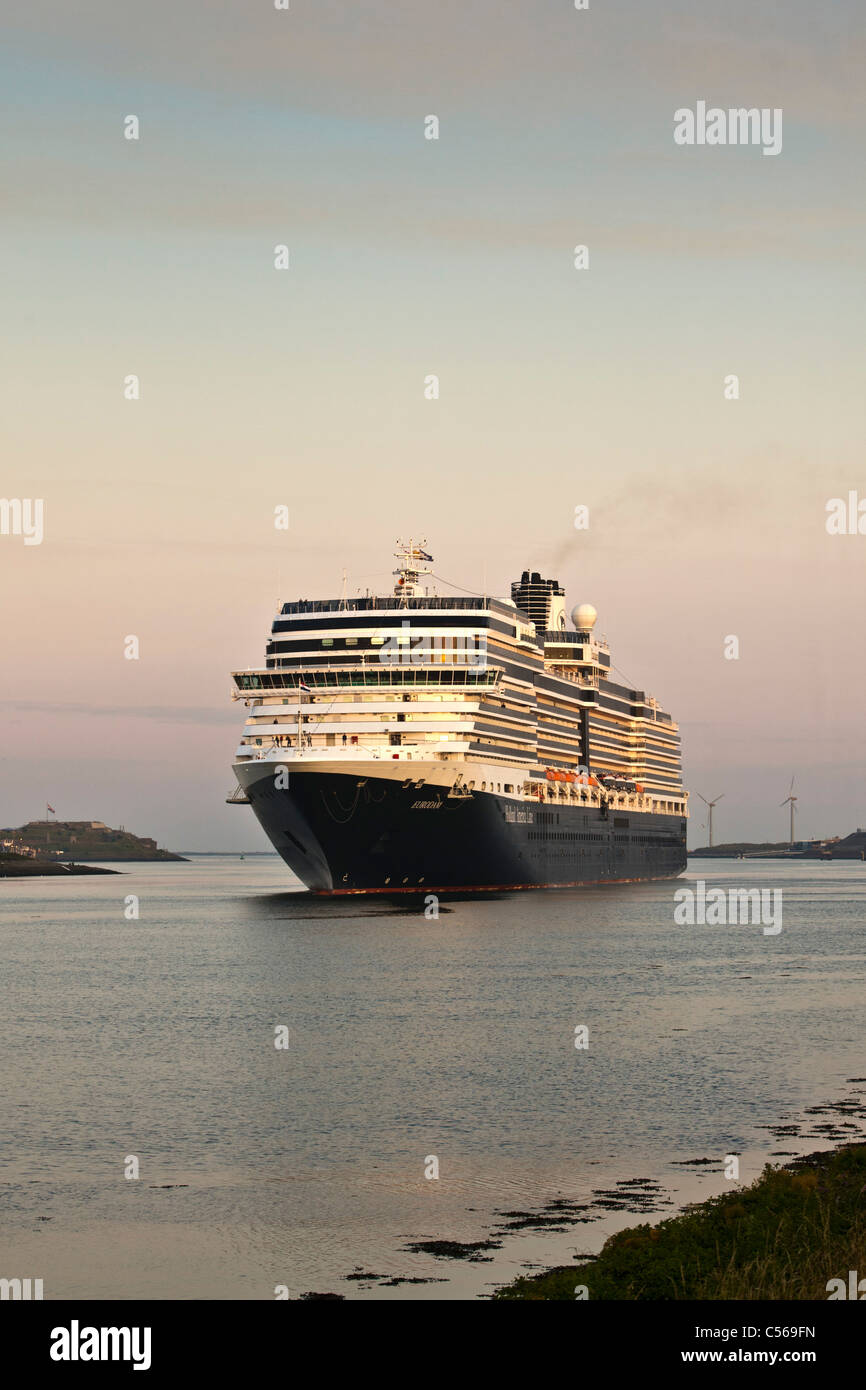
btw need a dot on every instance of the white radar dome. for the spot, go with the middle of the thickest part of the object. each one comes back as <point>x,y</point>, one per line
<point>584,617</point>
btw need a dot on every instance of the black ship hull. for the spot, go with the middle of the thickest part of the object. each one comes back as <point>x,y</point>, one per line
<point>344,834</point>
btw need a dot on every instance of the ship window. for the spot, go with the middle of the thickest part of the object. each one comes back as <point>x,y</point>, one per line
<point>327,641</point>
<point>351,641</point>
<point>376,641</point>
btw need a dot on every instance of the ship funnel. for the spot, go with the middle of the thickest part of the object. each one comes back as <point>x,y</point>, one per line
<point>542,600</point>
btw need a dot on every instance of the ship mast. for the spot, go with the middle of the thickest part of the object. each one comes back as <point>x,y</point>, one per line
<point>413,565</point>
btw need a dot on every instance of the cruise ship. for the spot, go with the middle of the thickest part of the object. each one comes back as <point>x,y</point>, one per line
<point>418,743</point>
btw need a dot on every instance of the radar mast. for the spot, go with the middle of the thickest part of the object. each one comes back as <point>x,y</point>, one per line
<point>413,565</point>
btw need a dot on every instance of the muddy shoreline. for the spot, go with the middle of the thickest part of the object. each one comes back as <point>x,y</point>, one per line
<point>33,868</point>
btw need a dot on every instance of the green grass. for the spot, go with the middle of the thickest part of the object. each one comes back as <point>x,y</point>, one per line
<point>784,1236</point>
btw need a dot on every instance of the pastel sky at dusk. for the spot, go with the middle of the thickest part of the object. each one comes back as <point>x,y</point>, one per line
<point>559,387</point>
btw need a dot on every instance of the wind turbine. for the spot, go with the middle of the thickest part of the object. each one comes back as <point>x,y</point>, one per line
<point>710,804</point>
<point>792,799</point>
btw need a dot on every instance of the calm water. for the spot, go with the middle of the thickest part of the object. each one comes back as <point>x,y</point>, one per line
<point>408,1038</point>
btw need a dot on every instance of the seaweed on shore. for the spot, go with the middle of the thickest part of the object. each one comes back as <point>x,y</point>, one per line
<point>390,1281</point>
<point>455,1249</point>
<point>783,1237</point>
<point>412,1279</point>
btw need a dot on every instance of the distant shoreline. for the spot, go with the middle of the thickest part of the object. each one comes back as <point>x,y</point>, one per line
<point>853,849</point>
<point>79,842</point>
<point>17,866</point>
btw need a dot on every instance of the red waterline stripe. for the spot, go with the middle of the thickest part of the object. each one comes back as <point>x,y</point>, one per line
<point>484,887</point>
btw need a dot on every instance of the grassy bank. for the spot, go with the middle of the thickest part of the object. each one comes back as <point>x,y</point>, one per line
<point>784,1236</point>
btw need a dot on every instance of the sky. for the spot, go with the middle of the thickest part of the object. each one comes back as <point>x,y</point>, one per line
<point>559,387</point>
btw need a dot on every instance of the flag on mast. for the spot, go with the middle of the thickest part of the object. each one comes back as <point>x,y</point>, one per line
<point>51,809</point>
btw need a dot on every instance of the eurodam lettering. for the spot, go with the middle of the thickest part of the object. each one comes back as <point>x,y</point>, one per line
<point>417,741</point>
